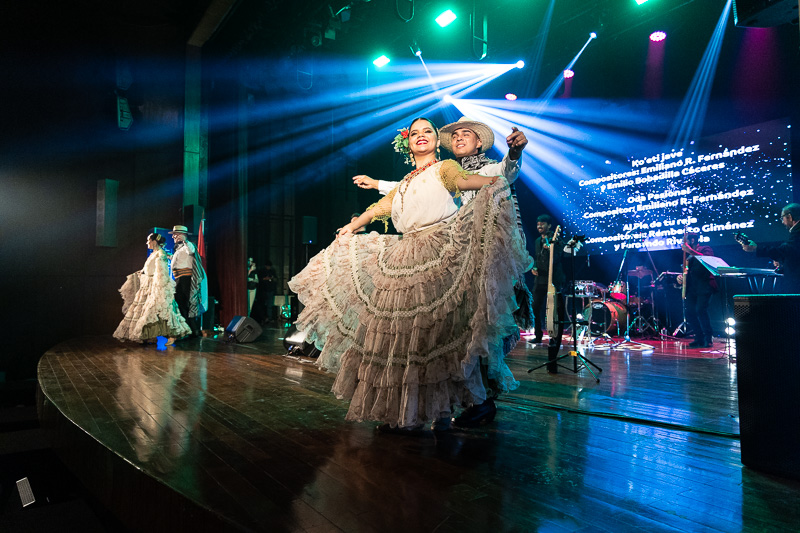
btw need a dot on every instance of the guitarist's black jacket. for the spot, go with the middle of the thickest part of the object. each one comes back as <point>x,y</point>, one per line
<point>542,256</point>
<point>788,253</point>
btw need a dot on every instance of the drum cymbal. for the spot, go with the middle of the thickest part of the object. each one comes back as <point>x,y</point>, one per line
<point>640,273</point>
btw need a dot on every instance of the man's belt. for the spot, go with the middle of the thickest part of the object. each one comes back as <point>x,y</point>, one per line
<point>181,272</point>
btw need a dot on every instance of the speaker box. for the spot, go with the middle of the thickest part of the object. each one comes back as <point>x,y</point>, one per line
<point>764,13</point>
<point>295,343</point>
<point>768,367</point>
<point>309,234</point>
<point>106,231</point>
<point>243,329</point>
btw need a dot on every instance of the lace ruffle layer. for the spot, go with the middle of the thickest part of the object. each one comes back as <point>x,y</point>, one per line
<point>152,311</point>
<point>405,320</point>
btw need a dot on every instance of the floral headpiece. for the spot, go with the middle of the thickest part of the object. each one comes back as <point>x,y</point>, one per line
<point>400,144</point>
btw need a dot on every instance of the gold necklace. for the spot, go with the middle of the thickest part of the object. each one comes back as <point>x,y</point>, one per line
<point>408,179</point>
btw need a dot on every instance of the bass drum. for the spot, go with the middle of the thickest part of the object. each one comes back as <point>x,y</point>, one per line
<point>607,316</point>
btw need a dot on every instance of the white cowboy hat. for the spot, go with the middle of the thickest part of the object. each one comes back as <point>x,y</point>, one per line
<point>179,229</point>
<point>483,132</point>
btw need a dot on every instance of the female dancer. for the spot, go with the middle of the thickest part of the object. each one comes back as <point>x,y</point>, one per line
<point>149,295</point>
<point>405,319</point>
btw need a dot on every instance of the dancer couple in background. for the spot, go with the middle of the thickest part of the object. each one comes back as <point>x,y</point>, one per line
<point>407,321</point>
<point>155,305</point>
<point>149,304</point>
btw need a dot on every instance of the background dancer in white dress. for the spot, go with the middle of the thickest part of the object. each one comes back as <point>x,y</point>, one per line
<point>149,300</point>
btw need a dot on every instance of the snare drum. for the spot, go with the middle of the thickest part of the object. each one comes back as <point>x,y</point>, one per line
<point>618,290</point>
<point>605,316</point>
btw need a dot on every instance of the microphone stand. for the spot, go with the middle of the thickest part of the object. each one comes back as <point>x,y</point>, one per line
<point>574,353</point>
<point>626,339</point>
<point>643,323</point>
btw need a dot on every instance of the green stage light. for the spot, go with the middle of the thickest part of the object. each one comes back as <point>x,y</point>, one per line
<point>445,18</point>
<point>381,61</point>
<point>640,2</point>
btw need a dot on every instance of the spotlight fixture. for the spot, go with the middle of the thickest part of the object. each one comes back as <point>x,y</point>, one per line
<point>511,96</point>
<point>520,64</point>
<point>382,61</point>
<point>445,18</point>
<point>640,2</point>
<point>415,49</point>
<point>448,98</point>
<point>593,35</point>
<point>658,36</point>
<point>730,321</point>
<point>568,73</point>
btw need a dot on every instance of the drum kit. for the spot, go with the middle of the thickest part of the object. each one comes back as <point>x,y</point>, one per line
<point>608,309</point>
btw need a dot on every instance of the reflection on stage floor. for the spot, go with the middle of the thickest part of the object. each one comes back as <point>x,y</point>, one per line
<point>214,436</point>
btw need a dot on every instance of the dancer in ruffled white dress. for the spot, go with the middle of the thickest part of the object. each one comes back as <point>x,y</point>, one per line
<point>405,319</point>
<point>149,300</point>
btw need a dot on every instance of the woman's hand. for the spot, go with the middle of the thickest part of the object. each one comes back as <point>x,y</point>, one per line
<point>344,230</point>
<point>365,182</point>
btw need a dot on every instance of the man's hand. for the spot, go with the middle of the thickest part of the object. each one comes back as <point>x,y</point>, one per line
<point>750,246</point>
<point>516,143</point>
<point>534,272</point>
<point>365,182</point>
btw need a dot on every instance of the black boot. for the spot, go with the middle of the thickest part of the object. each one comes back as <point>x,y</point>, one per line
<point>699,342</point>
<point>476,415</point>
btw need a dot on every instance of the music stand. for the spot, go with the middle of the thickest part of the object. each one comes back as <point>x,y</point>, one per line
<point>574,353</point>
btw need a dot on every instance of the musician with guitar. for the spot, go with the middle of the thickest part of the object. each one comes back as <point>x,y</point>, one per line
<point>787,253</point>
<point>548,252</point>
<point>698,285</point>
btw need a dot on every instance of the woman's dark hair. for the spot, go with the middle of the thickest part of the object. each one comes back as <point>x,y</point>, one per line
<point>429,122</point>
<point>160,240</point>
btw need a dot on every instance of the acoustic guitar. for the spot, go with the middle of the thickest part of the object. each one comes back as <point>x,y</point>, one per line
<point>552,301</point>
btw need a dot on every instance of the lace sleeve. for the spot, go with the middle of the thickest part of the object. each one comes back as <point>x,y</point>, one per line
<point>383,209</point>
<point>449,174</point>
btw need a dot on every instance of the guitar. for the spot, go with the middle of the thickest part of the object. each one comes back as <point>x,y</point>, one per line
<point>684,269</point>
<point>552,301</point>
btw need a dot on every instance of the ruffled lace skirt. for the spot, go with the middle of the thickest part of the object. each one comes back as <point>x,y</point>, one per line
<point>405,320</point>
<point>150,311</point>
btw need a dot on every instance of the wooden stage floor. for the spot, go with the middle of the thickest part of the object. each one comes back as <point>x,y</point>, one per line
<point>211,436</point>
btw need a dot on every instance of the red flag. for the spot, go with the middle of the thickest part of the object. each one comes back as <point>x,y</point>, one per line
<point>201,242</point>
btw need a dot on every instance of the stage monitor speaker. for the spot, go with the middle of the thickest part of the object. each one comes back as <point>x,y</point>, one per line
<point>764,13</point>
<point>768,367</point>
<point>295,343</point>
<point>243,329</point>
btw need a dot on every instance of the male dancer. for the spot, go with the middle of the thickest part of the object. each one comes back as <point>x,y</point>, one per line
<point>468,140</point>
<point>190,279</point>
